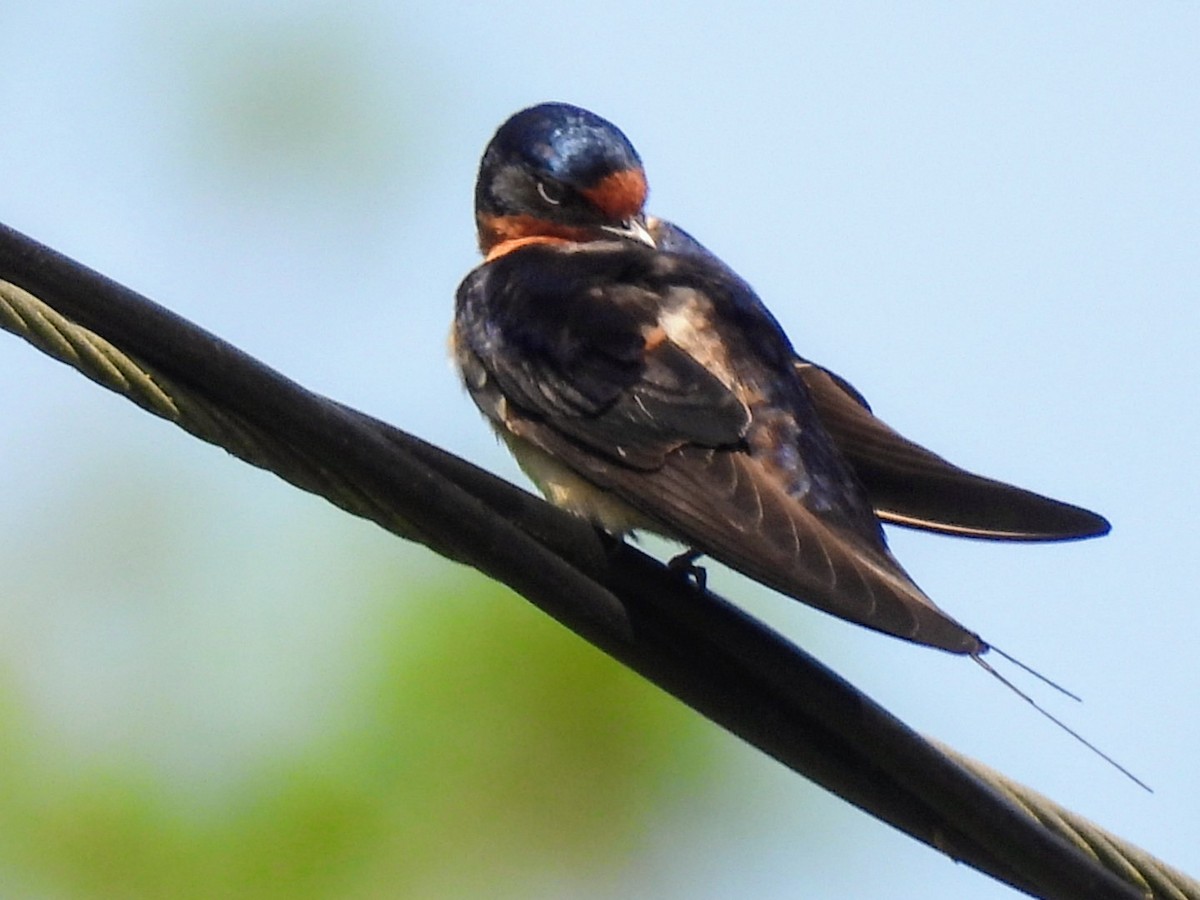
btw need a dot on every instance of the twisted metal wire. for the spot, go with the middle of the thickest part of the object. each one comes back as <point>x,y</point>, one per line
<point>57,336</point>
<point>1150,874</point>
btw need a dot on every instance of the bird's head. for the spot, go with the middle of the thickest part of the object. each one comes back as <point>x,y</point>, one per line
<point>558,171</point>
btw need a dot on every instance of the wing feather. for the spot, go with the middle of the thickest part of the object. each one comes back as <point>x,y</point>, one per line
<point>731,506</point>
<point>909,485</point>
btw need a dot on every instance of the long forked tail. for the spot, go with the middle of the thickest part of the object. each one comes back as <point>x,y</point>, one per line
<point>991,670</point>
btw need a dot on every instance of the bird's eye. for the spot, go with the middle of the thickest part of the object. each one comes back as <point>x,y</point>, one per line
<point>550,192</point>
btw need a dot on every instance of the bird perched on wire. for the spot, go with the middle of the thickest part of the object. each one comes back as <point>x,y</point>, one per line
<point>642,384</point>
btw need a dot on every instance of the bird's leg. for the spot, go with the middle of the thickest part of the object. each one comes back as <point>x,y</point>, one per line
<point>685,564</point>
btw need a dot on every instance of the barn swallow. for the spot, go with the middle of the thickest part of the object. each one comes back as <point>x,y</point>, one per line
<point>643,385</point>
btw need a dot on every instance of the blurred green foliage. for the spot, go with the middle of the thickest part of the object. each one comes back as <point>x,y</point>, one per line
<point>481,747</point>
<point>213,685</point>
<point>313,106</point>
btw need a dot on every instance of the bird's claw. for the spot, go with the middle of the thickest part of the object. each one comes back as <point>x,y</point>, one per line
<point>685,564</point>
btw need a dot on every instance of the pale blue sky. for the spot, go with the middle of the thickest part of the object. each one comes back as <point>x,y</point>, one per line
<point>983,215</point>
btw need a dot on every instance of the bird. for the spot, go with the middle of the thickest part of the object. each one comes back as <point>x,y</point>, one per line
<point>642,384</point>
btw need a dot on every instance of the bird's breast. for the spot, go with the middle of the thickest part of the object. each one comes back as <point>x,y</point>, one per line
<point>562,487</point>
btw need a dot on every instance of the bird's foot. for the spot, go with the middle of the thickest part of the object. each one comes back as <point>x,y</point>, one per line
<point>685,564</point>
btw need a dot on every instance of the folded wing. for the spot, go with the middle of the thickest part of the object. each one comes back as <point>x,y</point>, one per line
<point>909,485</point>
